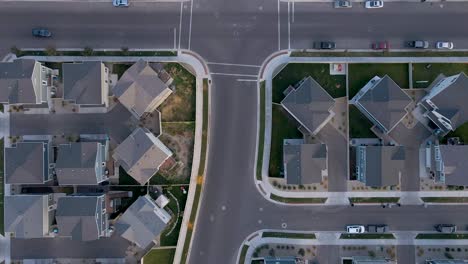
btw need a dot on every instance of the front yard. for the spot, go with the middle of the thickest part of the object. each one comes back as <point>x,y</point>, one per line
<point>160,256</point>
<point>335,85</point>
<point>425,73</point>
<point>359,124</point>
<point>360,74</point>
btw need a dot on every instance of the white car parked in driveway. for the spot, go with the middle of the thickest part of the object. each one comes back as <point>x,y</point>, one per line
<point>355,229</point>
<point>374,4</point>
<point>444,45</point>
<point>118,3</point>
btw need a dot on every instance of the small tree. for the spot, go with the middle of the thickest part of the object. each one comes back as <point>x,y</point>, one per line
<point>15,50</point>
<point>372,254</point>
<point>125,51</point>
<point>88,51</point>
<point>271,252</point>
<point>51,51</point>
<point>301,252</point>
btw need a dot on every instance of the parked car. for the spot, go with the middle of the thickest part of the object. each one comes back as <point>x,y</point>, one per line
<point>444,45</point>
<point>445,228</point>
<point>343,4</point>
<point>355,229</point>
<point>380,45</point>
<point>419,44</point>
<point>377,228</point>
<point>374,4</point>
<point>123,3</point>
<point>41,33</point>
<point>325,45</point>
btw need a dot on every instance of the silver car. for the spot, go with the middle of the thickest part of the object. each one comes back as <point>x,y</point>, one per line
<point>118,3</point>
<point>343,4</point>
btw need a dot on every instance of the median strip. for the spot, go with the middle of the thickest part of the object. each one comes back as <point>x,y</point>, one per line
<point>294,200</point>
<point>374,199</point>
<point>261,132</point>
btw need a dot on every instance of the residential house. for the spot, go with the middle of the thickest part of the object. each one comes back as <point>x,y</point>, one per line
<point>29,216</point>
<point>141,154</point>
<point>28,163</point>
<point>82,163</point>
<point>309,104</point>
<point>447,261</point>
<point>86,83</point>
<point>140,89</point>
<point>371,260</point>
<point>445,104</point>
<point>379,166</point>
<point>142,222</point>
<point>383,102</point>
<point>24,81</point>
<point>283,260</point>
<point>82,218</point>
<point>448,164</point>
<point>304,163</point>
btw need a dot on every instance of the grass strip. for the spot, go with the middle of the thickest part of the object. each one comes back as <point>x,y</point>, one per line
<point>87,52</point>
<point>159,256</point>
<point>367,236</point>
<point>381,54</point>
<point>288,235</point>
<point>261,132</point>
<point>297,200</point>
<point>442,236</point>
<point>445,199</point>
<point>374,199</point>
<point>243,254</point>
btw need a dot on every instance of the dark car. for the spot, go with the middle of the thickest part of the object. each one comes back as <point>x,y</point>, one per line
<point>377,228</point>
<point>419,44</point>
<point>445,228</point>
<point>41,33</point>
<point>381,45</point>
<point>325,45</point>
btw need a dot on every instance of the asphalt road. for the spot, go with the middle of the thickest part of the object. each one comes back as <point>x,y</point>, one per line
<point>245,32</point>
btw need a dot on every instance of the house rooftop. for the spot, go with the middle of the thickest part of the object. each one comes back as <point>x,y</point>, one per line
<point>82,82</point>
<point>385,102</point>
<point>16,82</point>
<point>142,222</point>
<point>455,165</point>
<point>27,163</point>
<point>141,154</point>
<point>382,165</point>
<point>27,215</point>
<point>304,163</point>
<point>309,104</point>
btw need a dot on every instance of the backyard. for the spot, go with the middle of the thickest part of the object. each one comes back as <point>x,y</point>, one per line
<point>424,73</point>
<point>360,74</point>
<point>177,199</point>
<point>160,256</point>
<point>281,128</point>
<point>335,85</point>
<point>359,124</point>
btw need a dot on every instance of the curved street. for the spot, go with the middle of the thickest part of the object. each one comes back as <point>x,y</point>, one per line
<point>235,37</point>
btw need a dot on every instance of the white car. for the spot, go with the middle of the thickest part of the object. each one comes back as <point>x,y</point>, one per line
<point>374,4</point>
<point>444,45</point>
<point>355,229</point>
<point>118,3</point>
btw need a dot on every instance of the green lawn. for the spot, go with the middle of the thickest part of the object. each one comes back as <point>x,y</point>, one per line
<point>243,254</point>
<point>261,132</point>
<point>169,238</point>
<point>288,235</point>
<point>367,236</point>
<point>421,73</point>
<point>374,199</point>
<point>281,128</point>
<point>445,199</point>
<point>442,236</point>
<point>381,54</point>
<point>120,68</point>
<point>297,200</point>
<point>180,105</point>
<point>294,72</point>
<point>359,124</point>
<point>20,53</point>
<point>461,132</point>
<point>360,74</point>
<point>125,179</point>
<point>159,256</point>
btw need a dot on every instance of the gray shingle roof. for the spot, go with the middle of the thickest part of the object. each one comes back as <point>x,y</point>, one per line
<point>82,82</point>
<point>310,104</point>
<point>142,222</point>
<point>141,154</point>
<point>383,165</point>
<point>304,163</point>
<point>78,217</point>
<point>455,165</point>
<point>25,163</point>
<point>26,215</point>
<point>139,87</point>
<point>76,163</point>
<point>16,82</point>
<point>386,102</point>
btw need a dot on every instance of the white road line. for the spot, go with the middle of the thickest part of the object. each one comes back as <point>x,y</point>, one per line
<point>175,38</point>
<point>234,74</point>
<point>246,80</point>
<point>279,27</point>
<point>233,64</point>
<point>180,22</point>
<point>293,11</point>
<point>190,26</point>
<point>289,26</point>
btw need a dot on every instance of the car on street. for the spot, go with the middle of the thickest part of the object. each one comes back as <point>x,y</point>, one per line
<point>446,228</point>
<point>444,45</point>
<point>380,45</point>
<point>329,45</point>
<point>343,4</point>
<point>374,4</point>
<point>419,44</point>
<point>41,33</point>
<point>377,228</point>
<point>355,229</point>
<point>122,3</point>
